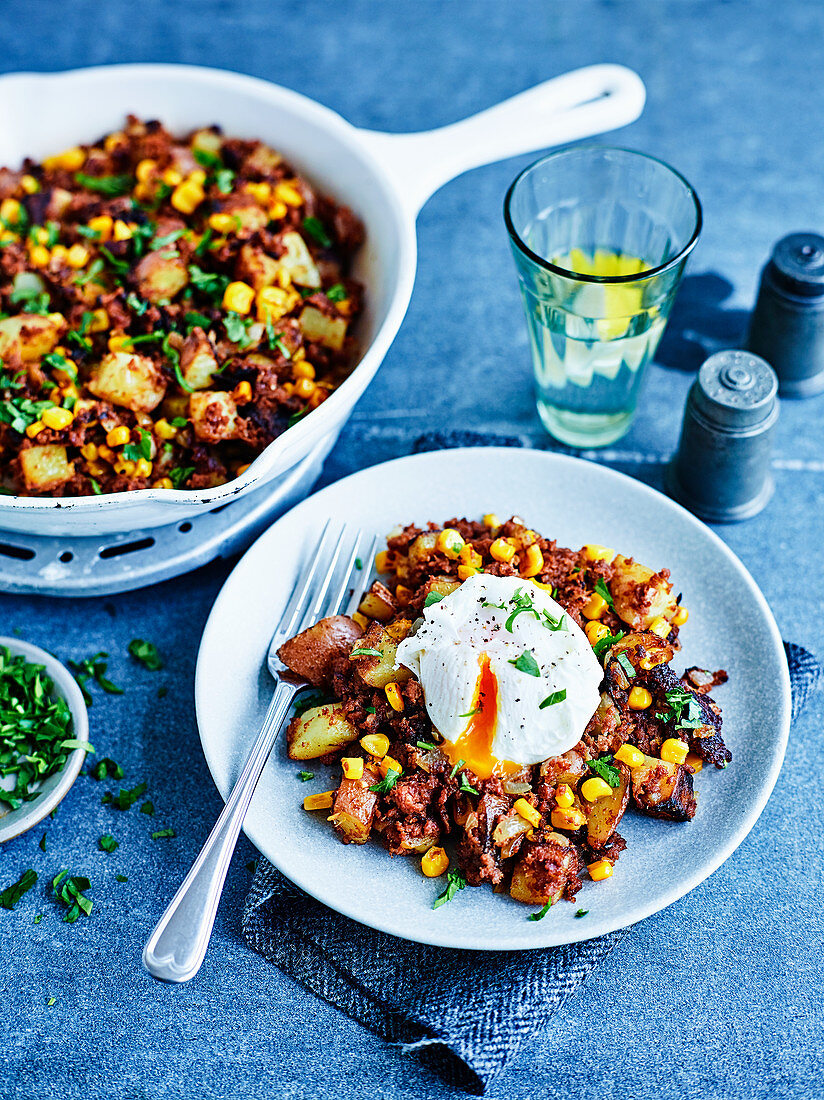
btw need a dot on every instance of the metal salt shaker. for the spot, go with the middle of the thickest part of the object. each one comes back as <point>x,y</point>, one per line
<point>787,325</point>
<point>721,470</point>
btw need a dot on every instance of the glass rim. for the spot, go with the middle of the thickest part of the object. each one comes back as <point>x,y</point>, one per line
<point>580,276</point>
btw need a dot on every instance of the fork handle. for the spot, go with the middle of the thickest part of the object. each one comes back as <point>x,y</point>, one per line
<point>178,944</point>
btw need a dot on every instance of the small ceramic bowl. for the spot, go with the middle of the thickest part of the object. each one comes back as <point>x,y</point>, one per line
<point>57,786</point>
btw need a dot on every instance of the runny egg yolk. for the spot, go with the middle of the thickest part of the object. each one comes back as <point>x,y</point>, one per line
<point>474,746</point>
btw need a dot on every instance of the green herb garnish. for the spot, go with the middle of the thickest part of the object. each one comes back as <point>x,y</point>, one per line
<point>454,882</point>
<point>582,912</point>
<point>553,698</point>
<point>194,319</point>
<point>465,787</point>
<point>607,771</point>
<point>527,663</point>
<point>121,878</point>
<point>146,653</point>
<point>135,304</point>
<point>120,266</point>
<point>603,591</point>
<point>12,894</point>
<point>432,597</point>
<point>135,451</point>
<point>70,891</point>
<point>91,272</point>
<point>108,843</point>
<point>336,293</point>
<point>147,808</point>
<point>470,713</point>
<point>105,185</point>
<point>212,285</point>
<point>125,799</point>
<point>387,783</point>
<point>456,768</point>
<point>426,746</point>
<point>606,643</point>
<point>163,834</point>
<point>316,229</point>
<point>542,912</point>
<point>686,710</point>
<point>168,238</point>
<point>626,664</point>
<point>93,668</point>
<point>178,475</point>
<point>106,769</point>
<point>362,652</point>
<point>237,329</point>
<point>304,777</point>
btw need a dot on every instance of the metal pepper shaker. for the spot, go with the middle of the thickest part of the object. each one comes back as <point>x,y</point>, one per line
<point>721,470</point>
<point>787,325</point>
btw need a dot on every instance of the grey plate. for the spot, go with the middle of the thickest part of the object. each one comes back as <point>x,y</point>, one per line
<point>57,786</point>
<point>730,627</point>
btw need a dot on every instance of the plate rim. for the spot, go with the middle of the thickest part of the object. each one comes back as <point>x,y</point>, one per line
<point>638,912</point>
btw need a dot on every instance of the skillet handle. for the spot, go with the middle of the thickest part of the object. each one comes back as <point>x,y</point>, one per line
<point>578,104</point>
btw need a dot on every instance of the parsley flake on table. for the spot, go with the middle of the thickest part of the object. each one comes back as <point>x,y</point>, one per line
<point>42,843</point>
<point>147,808</point>
<point>304,777</point>
<point>71,893</point>
<point>12,894</point>
<point>121,878</point>
<point>163,834</point>
<point>108,843</point>
<point>454,882</point>
<point>105,769</point>
<point>93,668</point>
<point>542,912</point>
<point>146,653</point>
<point>582,912</point>
<point>127,798</point>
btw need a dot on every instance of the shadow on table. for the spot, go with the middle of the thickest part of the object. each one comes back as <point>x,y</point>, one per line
<point>700,323</point>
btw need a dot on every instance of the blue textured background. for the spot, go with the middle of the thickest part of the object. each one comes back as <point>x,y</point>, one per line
<point>719,995</point>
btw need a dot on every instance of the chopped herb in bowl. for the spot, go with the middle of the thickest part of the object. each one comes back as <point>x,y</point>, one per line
<point>43,735</point>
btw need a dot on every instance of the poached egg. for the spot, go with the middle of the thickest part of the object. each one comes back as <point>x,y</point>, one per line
<point>508,677</point>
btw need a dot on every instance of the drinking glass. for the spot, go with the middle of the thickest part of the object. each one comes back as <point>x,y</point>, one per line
<point>600,238</point>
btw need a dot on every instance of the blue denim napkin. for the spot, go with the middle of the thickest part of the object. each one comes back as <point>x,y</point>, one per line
<point>466,1013</point>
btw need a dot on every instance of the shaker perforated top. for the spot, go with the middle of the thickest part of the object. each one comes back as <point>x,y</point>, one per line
<point>736,389</point>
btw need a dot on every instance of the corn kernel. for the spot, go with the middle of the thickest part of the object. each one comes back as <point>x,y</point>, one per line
<point>119,436</point>
<point>594,552</point>
<point>629,755</point>
<point>302,369</point>
<point>163,483</point>
<point>89,451</point>
<point>528,812</point>
<point>467,571</point>
<point>639,698</point>
<point>594,607</point>
<point>680,616</point>
<point>119,342</point>
<point>222,223</point>
<point>29,184</point>
<point>59,254</point>
<point>450,543</point>
<point>143,468</point>
<point>278,210</point>
<point>260,191</point>
<point>187,196</point>
<point>40,255</point>
<point>502,550</point>
<point>286,192</point>
<point>694,761</point>
<point>78,256</point>
<point>125,466</point>
<point>674,751</point>
<point>145,170</point>
<point>242,393</point>
<point>39,234</point>
<point>393,694</point>
<point>112,141</point>
<point>595,631</point>
<point>435,862</point>
<point>242,469</point>
<point>122,232</point>
<point>172,177</point>
<point>57,418</point>
<point>10,211</point>
<point>534,561</point>
<point>660,626</point>
<point>376,744</point>
<point>470,556</point>
<point>403,595</point>
<point>99,321</point>
<point>164,429</point>
<point>102,225</point>
<point>273,303</point>
<point>34,429</point>
<point>352,767</point>
<point>389,763</point>
<point>304,387</point>
<point>567,818</point>
<point>197,176</point>
<point>71,159</point>
<point>595,788</point>
<point>601,869</point>
<point>107,453</point>
<point>360,619</point>
<point>564,796</point>
<point>323,801</point>
<point>238,297</point>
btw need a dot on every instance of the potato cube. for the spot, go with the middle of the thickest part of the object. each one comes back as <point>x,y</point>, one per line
<point>198,364</point>
<point>45,468</point>
<point>320,329</point>
<point>214,415</point>
<point>130,380</point>
<point>297,261</point>
<point>30,335</point>
<point>354,808</point>
<point>319,731</point>
<point>640,595</point>
<point>161,276</point>
<point>256,267</point>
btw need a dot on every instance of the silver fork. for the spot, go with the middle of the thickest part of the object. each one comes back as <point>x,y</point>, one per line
<point>177,946</point>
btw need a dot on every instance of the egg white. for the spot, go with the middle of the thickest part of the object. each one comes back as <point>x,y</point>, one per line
<point>445,652</point>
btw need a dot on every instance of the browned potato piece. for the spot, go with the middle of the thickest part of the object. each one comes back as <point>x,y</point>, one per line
<point>130,380</point>
<point>378,603</point>
<point>256,267</point>
<point>604,815</point>
<point>214,415</point>
<point>298,263</point>
<point>442,585</point>
<point>310,653</point>
<point>198,364</point>
<point>640,594</point>
<point>161,276</point>
<point>320,329</point>
<point>661,789</point>
<point>319,731</point>
<point>354,808</point>
<point>542,873</point>
<point>380,671</point>
<point>422,548</point>
<point>45,468</point>
<point>30,335</point>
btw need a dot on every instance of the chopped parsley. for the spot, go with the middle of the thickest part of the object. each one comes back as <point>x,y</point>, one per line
<point>553,698</point>
<point>42,843</point>
<point>147,808</point>
<point>582,912</point>
<point>603,591</point>
<point>163,834</point>
<point>432,597</point>
<point>108,843</point>
<point>454,771</point>
<point>106,768</point>
<point>121,878</point>
<point>626,664</point>
<point>454,882</point>
<point>173,355</point>
<point>12,894</point>
<point>166,239</point>
<point>362,652</point>
<point>19,412</point>
<point>60,362</point>
<point>470,713</point>
<point>91,272</point>
<point>146,653</point>
<point>542,912</point>
<point>70,891</point>
<point>120,266</point>
<point>527,663</point>
<point>93,668</point>
<point>387,783</point>
<point>179,475</point>
<point>312,699</point>
<point>125,799</point>
<point>105,185</point>
<point>605,643</point>
<point>194,319</point>
<point>465,787</point>
<point>208,283</point>
<point>207,159</point>
<point>135,451</point>
<point>237,329</point>
<point>336,293</point>
<point>686,710</point>
<point>135,304</point>
<point>603,766</point>
<point>426,746</point>
<point>316,229</point>
<point>304,777</point>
